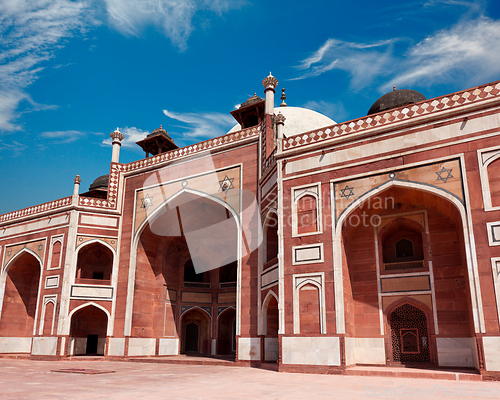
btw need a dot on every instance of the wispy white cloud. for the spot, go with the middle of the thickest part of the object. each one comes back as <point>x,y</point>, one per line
<point>62,137</point>
<point>131,136</point>
<point>471,48</point>
<point>30,33</point>
<point>363,61</point>
<point>202,126</point>
<point>173,17</point>
<point>12,148</point>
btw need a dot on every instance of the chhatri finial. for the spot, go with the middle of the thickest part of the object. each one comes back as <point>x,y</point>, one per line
<point>283,98</point>
<point>270,82</point>
<point>394,88</point>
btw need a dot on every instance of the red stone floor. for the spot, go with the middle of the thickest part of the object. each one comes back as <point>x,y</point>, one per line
<point>28,379</point>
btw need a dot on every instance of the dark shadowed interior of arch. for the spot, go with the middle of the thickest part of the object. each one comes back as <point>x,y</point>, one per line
<point>94,265</point>
<point>187,259</point>
<point>391,227</point>
<point>88,331</point>
<point>21,294</point>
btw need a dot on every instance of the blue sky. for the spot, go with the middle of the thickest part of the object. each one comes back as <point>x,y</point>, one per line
<point>73,71</point>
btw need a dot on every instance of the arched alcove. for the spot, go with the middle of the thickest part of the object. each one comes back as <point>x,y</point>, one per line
<point>20,296</point>
<point>88,331</point>
<point>94,264</point>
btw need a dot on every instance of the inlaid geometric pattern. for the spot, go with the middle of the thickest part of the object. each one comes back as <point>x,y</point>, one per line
<point>444,174</point>
<point>37,247</point>
<point>347,192</point>
<point>83,239</point>
<point>51,205</point>
<point>209,183</point>
<point>393,116</point>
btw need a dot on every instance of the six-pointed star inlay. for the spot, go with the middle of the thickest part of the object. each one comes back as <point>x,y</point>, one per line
<point>444,174</point>
<point>347,192</point>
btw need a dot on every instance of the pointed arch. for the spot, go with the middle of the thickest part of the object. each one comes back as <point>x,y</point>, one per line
<point>471,261</point>
<point>109,330</point>
<point>4,275</point>
<point>19,254</point>
<point>135,242</point>
<point>265,304</point>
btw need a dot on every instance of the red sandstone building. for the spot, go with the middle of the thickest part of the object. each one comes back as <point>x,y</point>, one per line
<point>291,239</point>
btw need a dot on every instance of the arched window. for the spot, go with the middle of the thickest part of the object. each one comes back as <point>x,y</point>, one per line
<point>227,275</point>
<point>193,279</point>
<point>494,182</point>
<point>94,265</point>
<point>404,248</point>
<point>307,215</point>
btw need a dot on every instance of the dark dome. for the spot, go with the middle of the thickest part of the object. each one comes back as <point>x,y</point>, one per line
<point>394,99</point>
<point>252,100</point>
<point>100,183</point>
<point>159,131</point>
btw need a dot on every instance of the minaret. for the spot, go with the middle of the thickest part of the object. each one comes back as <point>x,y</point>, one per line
<point>280,121</point>
<point>269,84</point>
<point>117,137</point>
<point>76,188</point>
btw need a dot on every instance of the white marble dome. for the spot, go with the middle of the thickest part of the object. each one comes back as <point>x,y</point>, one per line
<point>298,120</point>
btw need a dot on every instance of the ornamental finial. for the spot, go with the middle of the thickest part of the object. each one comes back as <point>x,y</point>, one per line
<point>283,98</point>
<point>280,119</point>
<point>270,82</point>
<point>77,179</point>
<point>117,136</point>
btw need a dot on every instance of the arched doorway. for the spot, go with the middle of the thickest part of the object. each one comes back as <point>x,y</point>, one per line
<point>226,335</point>
<point>20,297</point>
<point>404,243</point>
<point>187,259</point>
<point>88,331</point>
<point>409,335</point>
<point>271,343</point>
<point>195,332</point>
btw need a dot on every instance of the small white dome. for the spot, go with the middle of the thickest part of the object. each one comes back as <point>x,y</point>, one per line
<point>298,120</point>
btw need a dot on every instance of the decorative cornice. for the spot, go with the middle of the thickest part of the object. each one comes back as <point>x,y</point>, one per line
<point>400,114</point>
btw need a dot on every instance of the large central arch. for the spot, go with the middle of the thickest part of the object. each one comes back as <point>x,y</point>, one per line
<point>471,262</point>
<point>202,226</point>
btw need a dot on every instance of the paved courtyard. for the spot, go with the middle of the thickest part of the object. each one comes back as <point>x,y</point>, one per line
<point>25,379</point>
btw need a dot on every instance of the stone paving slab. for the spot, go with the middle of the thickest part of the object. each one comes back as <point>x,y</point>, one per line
<point>27,379</point>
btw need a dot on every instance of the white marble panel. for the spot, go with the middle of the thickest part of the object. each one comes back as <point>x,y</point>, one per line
<point>491,347</point>
<point>101,346</point>
<point>248,348</point>
<point>52,282</point>
<point>15,345</point>
<point>92,292</point>
<point>269,184</point>
<point>116,347</point>
<point>271,349</point>
<point>455,352</point>
<point>270,277</point>
<point>141,347</point>
<point>46,223</point>
<point>169,347</point>
<point>78,346</point>
<point>350,345</point>
<point>369,351</point>
<point>394,144</point>
<point>307,254</point>
<point>311,350</point>
<point>44,346</point>
<point>99,220</point>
